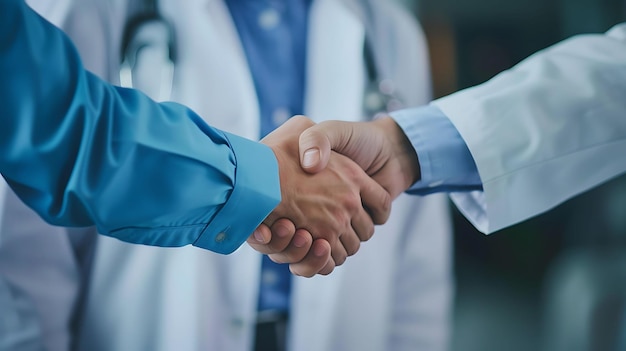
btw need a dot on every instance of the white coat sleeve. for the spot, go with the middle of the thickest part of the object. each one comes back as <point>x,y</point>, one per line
<point>548,129</point>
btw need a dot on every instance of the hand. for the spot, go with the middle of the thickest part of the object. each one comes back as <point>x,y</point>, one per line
<point>380,147</point>
<point>329,204</point>
<point>284,244</point>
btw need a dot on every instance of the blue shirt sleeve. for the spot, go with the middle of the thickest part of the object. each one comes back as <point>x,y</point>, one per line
<point>446,164</point>
<point>82,152</point>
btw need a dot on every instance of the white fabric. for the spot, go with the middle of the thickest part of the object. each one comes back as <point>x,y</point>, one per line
<point>394,295</point>
<point>55,11</point>
<point>38,261</point>
<point>546,130</point>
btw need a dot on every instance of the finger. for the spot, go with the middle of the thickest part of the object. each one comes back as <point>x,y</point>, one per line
<point>338,253</point>
<point>328,268</point>
<point>316,260</point>
<point>350,242</point>
<point>362,225</point>
<point>376,200</point>
<point>315,147</point>
<point>282,232</point>
<point>297,250</point>
<point>261,235</point>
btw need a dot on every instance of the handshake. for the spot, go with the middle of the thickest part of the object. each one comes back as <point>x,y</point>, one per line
<point>337,181</point>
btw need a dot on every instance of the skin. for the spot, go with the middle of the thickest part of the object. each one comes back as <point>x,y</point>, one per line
<point>379,147</point>
<point>337,206</point>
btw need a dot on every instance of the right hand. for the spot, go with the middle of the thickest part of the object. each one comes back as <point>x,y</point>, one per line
<point>283,243</point>
<point>328,204</point>
<point>379,147</point>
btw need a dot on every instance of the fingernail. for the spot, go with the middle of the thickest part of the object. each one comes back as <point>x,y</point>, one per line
<point>311,157</point>
<point>319,251</point>
<point>299,241</point>
<point>259,236</point>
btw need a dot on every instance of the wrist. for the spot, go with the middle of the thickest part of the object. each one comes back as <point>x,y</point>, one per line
<point>401,150</point>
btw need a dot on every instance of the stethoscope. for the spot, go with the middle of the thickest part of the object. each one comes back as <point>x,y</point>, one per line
<point>150,36</point>
<point>380,96</point>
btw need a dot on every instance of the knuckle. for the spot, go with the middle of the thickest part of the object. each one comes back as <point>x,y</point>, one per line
<point>354,248</point>
<point>384,209</point>
<point>340,259</point>
<point>352,203</point>
<point>342,223</point>
<point>369,233</point>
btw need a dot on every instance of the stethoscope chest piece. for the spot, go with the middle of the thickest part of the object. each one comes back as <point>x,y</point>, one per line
<point>148,56</point>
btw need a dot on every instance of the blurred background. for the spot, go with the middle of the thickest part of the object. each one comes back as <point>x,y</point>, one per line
<point>557,282</point>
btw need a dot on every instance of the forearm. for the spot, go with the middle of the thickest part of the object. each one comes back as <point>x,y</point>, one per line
<point>546,130</point>
<point>82,152</point>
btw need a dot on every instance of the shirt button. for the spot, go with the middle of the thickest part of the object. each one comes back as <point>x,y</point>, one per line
<point>269,19</point>
<point>269,278</point>
<point>280,116</point>
<point>220,237</point>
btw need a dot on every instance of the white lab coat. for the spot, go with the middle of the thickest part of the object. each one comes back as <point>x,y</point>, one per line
<point>548,129</point>
<point>394,295</point>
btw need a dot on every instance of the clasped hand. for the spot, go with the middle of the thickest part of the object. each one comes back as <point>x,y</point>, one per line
<point>332,200</point>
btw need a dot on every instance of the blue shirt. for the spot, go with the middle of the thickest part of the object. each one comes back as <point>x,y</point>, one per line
<point>80,151</point>
<point>446,164</point>
<point>274,36</point>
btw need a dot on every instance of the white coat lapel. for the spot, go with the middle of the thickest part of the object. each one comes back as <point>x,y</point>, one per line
<point>243,279</point>
<point>314,302</point>
<point>335,83</point>
<point>212,75</point>
<point>335,72</point>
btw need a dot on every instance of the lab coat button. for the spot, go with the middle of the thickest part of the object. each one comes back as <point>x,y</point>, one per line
<point>269,278</point>
<point>220,237</point>
<point>269,19</point>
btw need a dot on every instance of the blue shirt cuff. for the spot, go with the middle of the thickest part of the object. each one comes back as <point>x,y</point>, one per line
<point>446,164</point>
<point>255,194</point>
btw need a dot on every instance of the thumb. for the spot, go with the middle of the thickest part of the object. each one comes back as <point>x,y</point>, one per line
<point>315,146</point>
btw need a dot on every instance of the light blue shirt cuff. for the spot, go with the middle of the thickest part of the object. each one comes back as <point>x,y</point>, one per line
<point>446,164</point>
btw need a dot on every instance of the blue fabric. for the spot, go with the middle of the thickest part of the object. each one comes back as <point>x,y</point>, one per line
<point>276,56</point>
<point>446,164</point>
<point>82,152</point>
<point>273,34</point>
